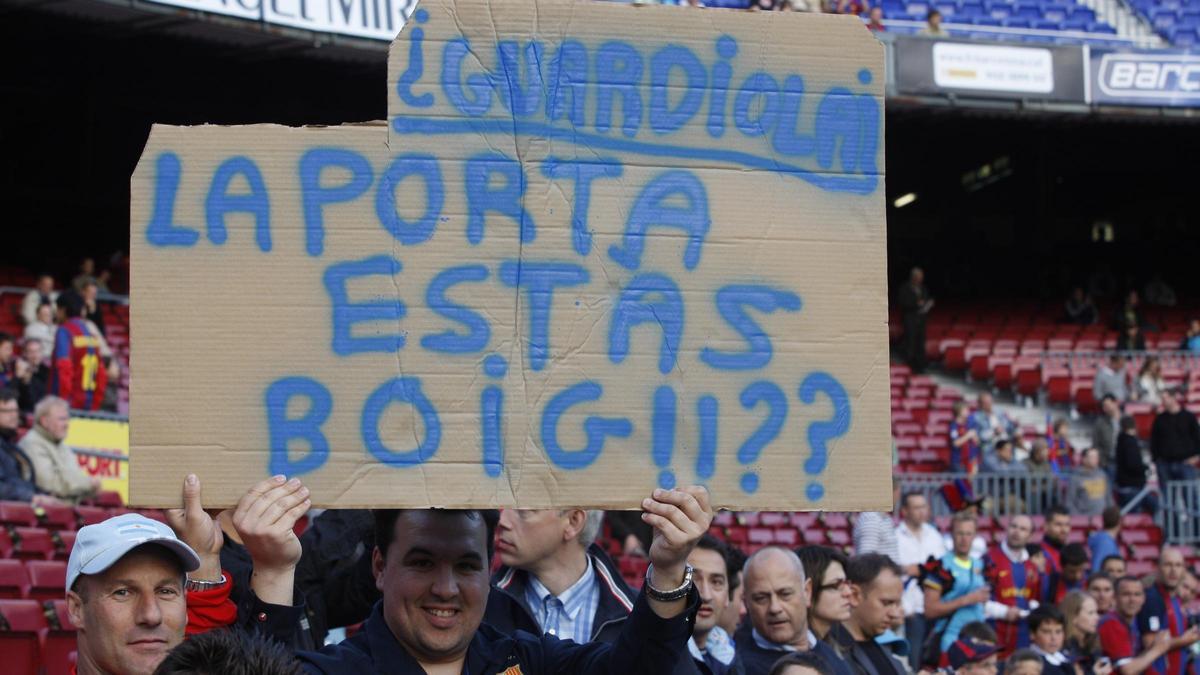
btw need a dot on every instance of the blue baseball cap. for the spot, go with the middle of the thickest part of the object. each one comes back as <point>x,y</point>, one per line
<point>99,547</point>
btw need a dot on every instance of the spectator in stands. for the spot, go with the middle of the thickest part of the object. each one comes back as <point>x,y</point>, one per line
<point>1150,382</point>
<point>855,7</point>
<point>733,615</point>
<point>1023,662</point>
<point>1129,313</point>
<point>915,304</point>
<point>777,603</point>
<point>1131,339</point>
<point>1047,629</point>
<point>1163,613</point>
<point>91,306</point>
<point>33,376</point>
<point>1013,581</point>
<point>1103,542</point>
<point>971,657</point>
<point>876,586</point>
<point>917,541</point>
<point>1174,440</point>
<point>1112,379</point>
<point>1056,529</point>
<point>961,602</point>
<point>1119,635</point>
<point>1108,429</point>
<point>87,274</point>
<point>933,24</point>
<point>8,362</point>
<point>1191,339</point>
<point>42,328</point>
<point>43,293</point>
<point>1089,491</point>
<point>830,595</point>
<point>1060,450</point>
<point>1071,577</point>
<point>1100,587</point>
<point>17,480</point>
<point>556,580</point>
<point>1113,566</point>
<point>1038,466</point>
<point>875,532</point>
<point>125,594</point>
<point>1131,469</point>
<point>1158,292</point>
<point>800,5</point>
<point>1079,308</point>
<point>55,465</point>
<point>875,24</point>
<point>711,647</point>
<point>431,566</point>
<point>77,373</point>
<point>989,423</point>
<point>229,652</point>
<point>1082,617</point>
<point>964,442</point>
<point>1002,459</point>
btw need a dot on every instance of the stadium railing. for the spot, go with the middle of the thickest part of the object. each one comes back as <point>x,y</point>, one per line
<point>1005,493</point>
<point>1179,512</point>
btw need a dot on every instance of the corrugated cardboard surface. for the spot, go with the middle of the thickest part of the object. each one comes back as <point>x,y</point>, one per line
<point>219,321</point>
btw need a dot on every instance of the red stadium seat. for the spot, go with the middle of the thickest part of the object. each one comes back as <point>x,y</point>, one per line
<point>47,579</point>
<point>90,515</point>
<point>1001,368</point>
<point>787,537</point>
<point>57,517</point>
<point>108,498</point>
<point>14,582</point>
<point>17,514</point>
<point>58,644</point>
<point>32,543</point>
<point>773,519</point>
<point>20,644</point>
<point>6,544</point>
<point>761,535</point>
<point>838,537</point>
<point>1081,393</point>
<point>1028,376</point>
<point>65,540</point>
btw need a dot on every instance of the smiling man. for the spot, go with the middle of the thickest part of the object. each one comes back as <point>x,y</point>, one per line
<point>125,593</point>
<point>431,567</point>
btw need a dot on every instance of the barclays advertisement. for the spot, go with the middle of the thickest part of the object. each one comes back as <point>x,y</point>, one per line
<point>1149,78</point>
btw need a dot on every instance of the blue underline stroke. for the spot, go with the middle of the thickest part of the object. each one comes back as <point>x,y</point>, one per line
<point>403,124</point>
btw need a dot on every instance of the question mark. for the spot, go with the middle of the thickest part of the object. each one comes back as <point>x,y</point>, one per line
<point>820,433</point>
<point>777,409</point>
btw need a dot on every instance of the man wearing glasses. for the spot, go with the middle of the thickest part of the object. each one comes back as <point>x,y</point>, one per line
<point>17,480</point>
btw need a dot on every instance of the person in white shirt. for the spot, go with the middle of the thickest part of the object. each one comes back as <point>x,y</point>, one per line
<point>917,540</point>
<point>43,329</point>
<point>42,294</point>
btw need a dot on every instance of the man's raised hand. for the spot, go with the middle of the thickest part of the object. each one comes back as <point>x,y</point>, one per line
<point>264,520</point>
<point>199,530</point>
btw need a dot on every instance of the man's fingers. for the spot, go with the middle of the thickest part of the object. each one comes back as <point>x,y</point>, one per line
<point>685,505</point>
<point>256,508</point>
<point>258,490</point>
<point>294,514</point>
<point>700,493</point>
<point>671,513</point>
<point>672,533</point>
<point>192,501</point>
<point>279,508</point>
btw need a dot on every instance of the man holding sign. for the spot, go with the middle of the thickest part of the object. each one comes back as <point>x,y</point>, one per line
<point>432,568</point>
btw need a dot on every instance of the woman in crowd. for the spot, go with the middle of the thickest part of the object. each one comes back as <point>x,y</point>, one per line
<point>1083,641</point>
<point>1150,382</point>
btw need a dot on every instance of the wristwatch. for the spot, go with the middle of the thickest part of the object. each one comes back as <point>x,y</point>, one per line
<point>671,595</point>
<point>202,585</point>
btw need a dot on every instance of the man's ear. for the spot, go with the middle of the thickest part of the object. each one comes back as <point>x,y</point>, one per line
<point>856,595</point>
<point>378,562</point>
<point>576,521</point>
<point>75,609</point>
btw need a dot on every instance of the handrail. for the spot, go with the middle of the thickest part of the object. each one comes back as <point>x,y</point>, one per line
<point>1008,31</point>
<point>102,296</point>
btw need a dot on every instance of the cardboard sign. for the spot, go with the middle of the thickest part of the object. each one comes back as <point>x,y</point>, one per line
<point>594,250</point>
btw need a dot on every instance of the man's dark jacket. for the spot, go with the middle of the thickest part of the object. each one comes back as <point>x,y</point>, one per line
<point>647,645</point>
<point>507,611</point>
<point>758,661</point>
<point>17,480</point>
<point>858,659</point>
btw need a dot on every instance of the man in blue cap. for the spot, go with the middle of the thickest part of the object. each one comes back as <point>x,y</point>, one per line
<point>126,581</point>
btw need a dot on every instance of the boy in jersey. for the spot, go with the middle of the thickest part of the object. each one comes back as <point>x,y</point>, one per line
<point>77,373</point>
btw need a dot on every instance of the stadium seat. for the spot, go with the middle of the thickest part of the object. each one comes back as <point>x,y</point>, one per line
<point>17,514</point>
<point>6,544</point>
<point>58,644</point>
<point>32,543</point>
<point>64,541</point>
<point>61,517</point>
<point>20,644</point>
<point>14,581</point>
<point>90,515</point>
<point>47,579</point>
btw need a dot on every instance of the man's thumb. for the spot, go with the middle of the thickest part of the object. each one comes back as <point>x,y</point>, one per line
<point>191,495</point>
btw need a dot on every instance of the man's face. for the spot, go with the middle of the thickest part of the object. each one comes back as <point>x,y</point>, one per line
<point>776,599</point>
<point>130,615</point>
<point>1074,573</point>
<point>985,667</point>
<point>1171,568</point>
<point>1049,637</point>
<point>434,580</point>
<point>1187,589</point>
<point>918,277</point>
<point>6,351</point>
<point>33,353</point>
<point>1170,402</point>
<point>45,314</point>
<point>525,537</point>
<point>712,581</point>
<point>964,536</point>
<point>1110,407</point>
<point>1091,458</point>
<point>1114,567</point>
<point>1019,529</point>
<point>1130,598</point>
<point>1102,592</point>
<point>1004,451</point>
<point>985,403</point>
<point>56,421</point>
<point>1058,527</point>
<point>877,605</point>
<point>833,599</point>
<point>45,284</point>
<point>10,417</point>
<point>916,510</point>
<point>89,293</point>
<point>1025,668</point>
